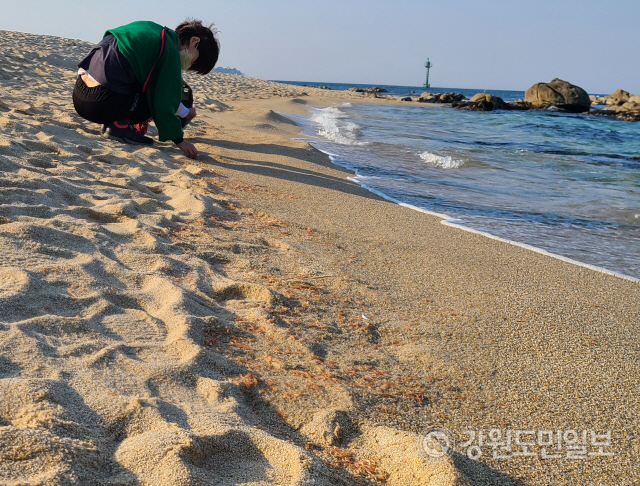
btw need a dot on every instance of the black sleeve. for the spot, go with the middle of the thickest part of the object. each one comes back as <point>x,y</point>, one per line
<point>178,141</point>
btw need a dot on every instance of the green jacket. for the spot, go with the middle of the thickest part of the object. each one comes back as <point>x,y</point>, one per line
<point>139,42</point>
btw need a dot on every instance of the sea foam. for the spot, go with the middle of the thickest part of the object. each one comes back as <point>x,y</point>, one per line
<point>331,125</point>
<point>446,162</point>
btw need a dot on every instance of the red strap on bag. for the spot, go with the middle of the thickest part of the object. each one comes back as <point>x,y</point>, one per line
<point>144,88</point>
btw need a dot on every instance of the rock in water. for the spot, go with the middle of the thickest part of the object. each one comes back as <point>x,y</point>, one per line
<point>617,98</point>
<point>621,105</point>
<point>450,97</point>
<point>520,105</point>
<point>427,97</point>
<point>373,89</point>
<point>629,111</point>
<point>482,102</point>
<point>496,101</point>
<point>625,107</point>
<point>561,94</point>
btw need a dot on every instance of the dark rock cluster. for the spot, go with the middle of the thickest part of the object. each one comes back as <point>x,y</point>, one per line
<point>630,112</point>
<point>621,105</point>
<point>482,102</point>
<point>427,97</point>
<point>487,102</point>
<point>557,95</point>
<point>373,89</point>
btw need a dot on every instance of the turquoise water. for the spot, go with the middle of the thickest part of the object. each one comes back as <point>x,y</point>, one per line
<point>567,184</point>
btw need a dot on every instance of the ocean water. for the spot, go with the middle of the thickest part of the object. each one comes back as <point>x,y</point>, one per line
<point>563,183</point>
<point>413,91</point>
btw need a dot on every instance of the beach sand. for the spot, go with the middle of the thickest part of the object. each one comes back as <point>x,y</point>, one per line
<point>256,317</point>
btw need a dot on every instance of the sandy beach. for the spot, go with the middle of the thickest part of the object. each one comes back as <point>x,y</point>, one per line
<point>256,317</point>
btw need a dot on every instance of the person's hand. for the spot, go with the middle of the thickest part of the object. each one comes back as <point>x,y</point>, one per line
<point>192,114</point>
<point>188,149</point>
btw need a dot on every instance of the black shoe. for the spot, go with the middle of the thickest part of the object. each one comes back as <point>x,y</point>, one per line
<point>187,100</point>
<point>128,135</point>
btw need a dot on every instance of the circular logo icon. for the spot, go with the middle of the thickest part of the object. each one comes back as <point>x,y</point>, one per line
<point>435,442</point>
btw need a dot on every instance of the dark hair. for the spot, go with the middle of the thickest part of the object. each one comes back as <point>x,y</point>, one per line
<point>209,47</point>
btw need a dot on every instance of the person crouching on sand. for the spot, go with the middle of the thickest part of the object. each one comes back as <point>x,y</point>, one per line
<point>134,75</point>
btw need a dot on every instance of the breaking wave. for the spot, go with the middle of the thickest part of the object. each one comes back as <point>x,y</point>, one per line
<point>444,161</point>
<point>333,126</point>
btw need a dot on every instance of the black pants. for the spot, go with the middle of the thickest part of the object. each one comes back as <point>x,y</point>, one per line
<point>101,105</point>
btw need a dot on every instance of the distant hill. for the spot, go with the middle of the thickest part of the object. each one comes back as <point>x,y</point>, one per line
<point>228,70</point>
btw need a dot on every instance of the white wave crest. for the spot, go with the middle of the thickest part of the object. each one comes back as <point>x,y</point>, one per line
<point>331,125</point>
<point>446,162</point>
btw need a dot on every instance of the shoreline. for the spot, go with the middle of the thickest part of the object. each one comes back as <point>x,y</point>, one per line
<point>450,221</point>
<point>257,316</point>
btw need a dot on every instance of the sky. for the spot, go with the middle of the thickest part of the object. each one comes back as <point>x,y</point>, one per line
<point>490,44</point>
